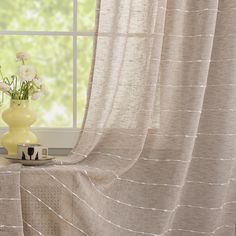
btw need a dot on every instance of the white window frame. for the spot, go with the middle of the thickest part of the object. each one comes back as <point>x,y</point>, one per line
<point>58,137</point>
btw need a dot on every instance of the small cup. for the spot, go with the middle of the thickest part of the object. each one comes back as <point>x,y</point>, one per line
<point>31,152</point>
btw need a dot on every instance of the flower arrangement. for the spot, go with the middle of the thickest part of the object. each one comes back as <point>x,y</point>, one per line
<point>24,86</point>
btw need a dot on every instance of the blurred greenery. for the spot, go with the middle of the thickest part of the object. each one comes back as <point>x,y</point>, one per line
<point>51,55</point>
<point>52,58</point>
<point>86,15</point>
<point>85,51</point>
<point>50,15</point>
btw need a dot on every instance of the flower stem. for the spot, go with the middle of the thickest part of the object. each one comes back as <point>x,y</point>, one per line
<point>1,73</point>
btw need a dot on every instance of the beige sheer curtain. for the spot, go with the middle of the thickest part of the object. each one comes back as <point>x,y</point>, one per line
<point>156,155</point>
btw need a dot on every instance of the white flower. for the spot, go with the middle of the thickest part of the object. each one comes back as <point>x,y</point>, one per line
<point>26,72</point>
<point>36,95</point>
<point>44,89</point>
<point>4,87</point>
<point>38,81</point>
<point>22,56</point>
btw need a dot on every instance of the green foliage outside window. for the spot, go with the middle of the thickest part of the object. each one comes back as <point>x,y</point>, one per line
<point>52,55</point>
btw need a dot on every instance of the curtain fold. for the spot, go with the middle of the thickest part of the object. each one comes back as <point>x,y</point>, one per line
<point>179,46</point>
<point>156,153</point>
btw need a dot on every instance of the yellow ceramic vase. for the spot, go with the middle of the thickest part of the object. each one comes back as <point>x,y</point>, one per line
<point>19,117</point>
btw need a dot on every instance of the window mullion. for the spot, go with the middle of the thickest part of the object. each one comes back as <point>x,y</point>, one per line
<point>46,33</point>
<point>75,54</point>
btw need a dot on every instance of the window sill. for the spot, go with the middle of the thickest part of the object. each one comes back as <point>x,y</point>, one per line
<point>54,138</point>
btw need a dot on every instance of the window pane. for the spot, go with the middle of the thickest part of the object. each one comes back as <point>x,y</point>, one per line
<point>52,57</point>
<point>51,15</point>
<point>85,50</point>
<point>86,15</point>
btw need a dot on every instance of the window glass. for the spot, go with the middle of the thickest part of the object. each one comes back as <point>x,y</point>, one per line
<point>52,58</point>
<point>86,15</point>
<point>85,50</point>
<point>36,15</point>
<point>52,55</point>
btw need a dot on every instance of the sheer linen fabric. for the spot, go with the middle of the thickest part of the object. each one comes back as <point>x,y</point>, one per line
<point>156,152</point>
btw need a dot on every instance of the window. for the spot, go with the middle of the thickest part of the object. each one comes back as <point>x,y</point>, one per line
<point>59,37</point>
